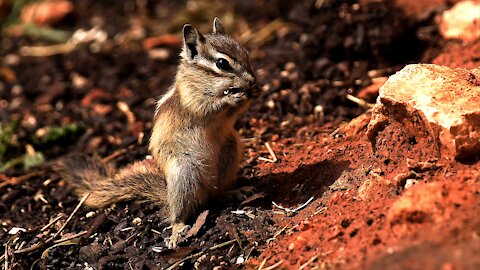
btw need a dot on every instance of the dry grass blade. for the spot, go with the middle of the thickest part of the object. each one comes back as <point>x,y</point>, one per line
<point>307,263</point>
<point>260,267</point>
<point>72,214</point>
<point>277,233</point>
<point>272,154</point>
<point>223,244</point>
<point>41,244</point>
<point>51,222</point>
<point>293,210</point>
<point>360,102</point>
<point>273,266</point>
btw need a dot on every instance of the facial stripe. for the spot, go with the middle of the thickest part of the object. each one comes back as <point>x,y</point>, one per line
<point>208,67</point>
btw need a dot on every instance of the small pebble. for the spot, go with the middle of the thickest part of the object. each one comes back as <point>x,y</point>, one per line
<point>137,221</point>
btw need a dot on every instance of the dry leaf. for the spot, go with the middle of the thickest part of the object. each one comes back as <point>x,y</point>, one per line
<point>198,224</point>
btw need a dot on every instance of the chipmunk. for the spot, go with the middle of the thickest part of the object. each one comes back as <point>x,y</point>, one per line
<point>195,148</point>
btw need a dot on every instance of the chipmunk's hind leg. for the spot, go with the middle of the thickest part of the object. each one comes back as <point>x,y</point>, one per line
<point>186,192</point>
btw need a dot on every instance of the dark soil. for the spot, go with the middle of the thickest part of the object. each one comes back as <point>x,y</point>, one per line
<point>314,55</point>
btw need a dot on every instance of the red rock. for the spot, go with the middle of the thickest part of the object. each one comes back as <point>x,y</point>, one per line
<point>447,100</point>
<point>46,12</point>
<point>429,202</point>
<point>418,204</point>
<point>462,21</point>
<point>420,8</point>
<point>460,55</point>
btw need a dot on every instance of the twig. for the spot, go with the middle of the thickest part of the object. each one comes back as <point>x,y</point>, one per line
<point>320,210</point>
<point>114,155</point>
<point>293,228</point>
<point>71,215</point>
<point>51,223</point>
<point>243,212</point>
<point>277,234</point>
<point>293,210</point>
<point>274,157</point>
<point>32,247</point>
<point>273,266</point>
<point>272,154</point>
<point>334,132</point>
<point>6,257</point>
<point>155,231</point>
<point>262,264</point>
<point>199,254</point>
<point>41,51</point>
<point>16,180</point>
<point>222,244</point>
<point>266,159</point>
<point>184,259</point>
<point>360,102</point>
<point>41,244</point>
<point>125,109</point>
<point>303,266</point>
<point>77,235</point>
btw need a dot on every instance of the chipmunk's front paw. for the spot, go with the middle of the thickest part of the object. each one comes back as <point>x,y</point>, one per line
<point>178,231</point>
<point>241,193</point>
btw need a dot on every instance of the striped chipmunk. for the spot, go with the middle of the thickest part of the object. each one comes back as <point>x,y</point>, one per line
<point>196,150</point>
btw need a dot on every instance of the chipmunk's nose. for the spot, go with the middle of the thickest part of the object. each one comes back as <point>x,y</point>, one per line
<point>254,91</point>
<point>252,83</point>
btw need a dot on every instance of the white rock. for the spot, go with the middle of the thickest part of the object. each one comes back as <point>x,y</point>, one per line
<point>462,21</point>
<point>447,99</point>
<point>15,230</point>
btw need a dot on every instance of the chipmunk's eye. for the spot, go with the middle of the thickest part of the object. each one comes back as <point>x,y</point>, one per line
<point>226,92</point>
<point>223,64</point>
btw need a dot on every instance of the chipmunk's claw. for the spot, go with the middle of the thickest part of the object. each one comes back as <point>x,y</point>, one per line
<point>178,231</point>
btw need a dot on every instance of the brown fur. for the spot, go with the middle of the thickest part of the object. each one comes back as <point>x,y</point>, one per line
<point>196,150</point>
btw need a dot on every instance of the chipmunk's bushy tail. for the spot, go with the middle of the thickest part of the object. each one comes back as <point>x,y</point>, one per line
<point>140,180</point>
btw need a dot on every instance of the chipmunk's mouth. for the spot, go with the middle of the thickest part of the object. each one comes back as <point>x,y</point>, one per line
<point>234,90</point>
<point>251,92</point>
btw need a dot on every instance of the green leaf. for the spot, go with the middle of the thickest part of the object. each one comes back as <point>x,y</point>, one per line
<point>32,160</point>
<point>56,133</point>
<point>6,134</point>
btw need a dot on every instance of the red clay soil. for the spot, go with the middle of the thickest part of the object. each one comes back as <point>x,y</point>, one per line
<point>372,221</point>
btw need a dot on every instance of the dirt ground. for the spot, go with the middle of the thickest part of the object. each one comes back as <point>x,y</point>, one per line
<point>332,200</point>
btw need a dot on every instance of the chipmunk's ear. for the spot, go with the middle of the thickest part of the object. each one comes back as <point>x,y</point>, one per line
<point>218,27</point>
<point>191,41</point>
